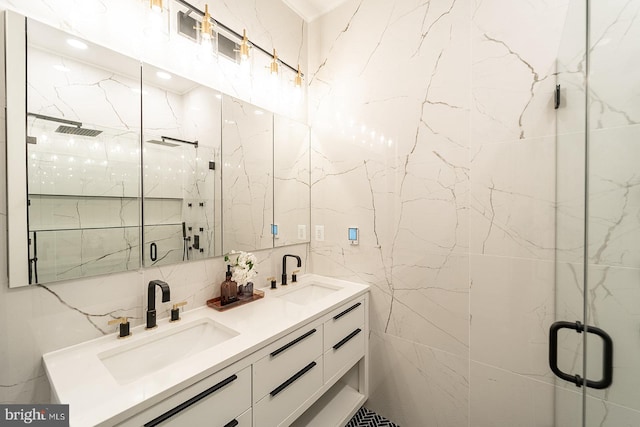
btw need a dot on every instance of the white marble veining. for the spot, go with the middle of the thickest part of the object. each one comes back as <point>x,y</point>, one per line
<point>291,187</point>
<point>501,398</point>
<point>247,176</point>
<point>439,396</point>
<point>433,131</point>
<point>80,378</point>
<point>516,336</point>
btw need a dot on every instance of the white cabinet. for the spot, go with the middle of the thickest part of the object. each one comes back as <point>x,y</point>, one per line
<point>342,322</point>
<point>217,400</point>
<point>313,376</point>
<point>292,393</point>
<point>285,358</point>
<point>344,339</point>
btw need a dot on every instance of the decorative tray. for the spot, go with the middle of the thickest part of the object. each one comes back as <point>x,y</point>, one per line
<point>215,302</point>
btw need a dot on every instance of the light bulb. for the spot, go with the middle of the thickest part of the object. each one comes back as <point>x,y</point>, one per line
<point>274,64</point>
<point>244,46</point>
<point>206,30</point>
<point>297,81</point>
<point>156,6</point>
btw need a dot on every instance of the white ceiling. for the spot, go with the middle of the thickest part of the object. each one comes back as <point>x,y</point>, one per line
<point>311,9</point>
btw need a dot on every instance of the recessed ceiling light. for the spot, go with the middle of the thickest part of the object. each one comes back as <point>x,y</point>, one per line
<point>163,75</point>
<point>62,68</point>
<point>77,44</point>
<point>258,112</point>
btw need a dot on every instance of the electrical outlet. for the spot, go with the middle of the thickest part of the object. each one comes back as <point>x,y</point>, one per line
<point>302,232</point>
<point>320,233</point>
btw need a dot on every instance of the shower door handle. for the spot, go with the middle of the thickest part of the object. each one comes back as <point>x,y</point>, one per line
<point>153,251</point>
<point>607,356</point>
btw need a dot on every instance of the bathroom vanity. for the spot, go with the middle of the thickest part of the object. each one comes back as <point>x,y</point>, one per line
<point>297,357</point>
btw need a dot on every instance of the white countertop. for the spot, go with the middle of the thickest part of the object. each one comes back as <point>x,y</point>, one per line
<point>80,379</point>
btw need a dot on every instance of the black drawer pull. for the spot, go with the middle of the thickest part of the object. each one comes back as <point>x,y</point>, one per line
<point>346,339</point>
<point>292,343</point>
<point>232,423</point>
<point>195,399</point>
<point>290,381</point>
<point>353,307</point>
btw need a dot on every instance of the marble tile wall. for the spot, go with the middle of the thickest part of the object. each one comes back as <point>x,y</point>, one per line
<point>39,319</point>
<point>247,176</point>
<point>291,192</point>
<point>434,131</point>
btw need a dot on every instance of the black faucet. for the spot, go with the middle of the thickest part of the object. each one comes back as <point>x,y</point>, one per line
<point>284,266</point>
<point>151,300</point>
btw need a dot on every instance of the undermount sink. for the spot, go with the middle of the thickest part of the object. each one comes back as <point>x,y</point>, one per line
<point>306,294</point>
<point>137,359</point>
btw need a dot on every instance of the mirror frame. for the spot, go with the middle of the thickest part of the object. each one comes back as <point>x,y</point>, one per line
<point>16,130</point>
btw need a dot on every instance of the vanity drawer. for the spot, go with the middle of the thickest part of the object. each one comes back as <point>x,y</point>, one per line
<point>214,401</point>
<point>243,420</point>
<point>344,353</point>
<point>343,321</point>
<point>284,399</point>
<point>286,356</point>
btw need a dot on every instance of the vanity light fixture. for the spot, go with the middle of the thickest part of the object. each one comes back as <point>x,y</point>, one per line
<point>156,27</point>
<point>274,64</point>
<point>156,6</point>
<point>297,80</point>
<point>244,46</point>
<point>206,29</point>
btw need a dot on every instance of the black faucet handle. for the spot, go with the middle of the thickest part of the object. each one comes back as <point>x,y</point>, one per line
<point>125,329</point>
<point>175,311</point>
<point>294,276</point>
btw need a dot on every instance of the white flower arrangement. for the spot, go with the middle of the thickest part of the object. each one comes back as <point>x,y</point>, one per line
<point>243,268</point>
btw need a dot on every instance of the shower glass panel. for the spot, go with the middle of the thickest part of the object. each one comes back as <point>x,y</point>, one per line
<point>613,209</point>
<point>181,181</point>
<point>598,211</point>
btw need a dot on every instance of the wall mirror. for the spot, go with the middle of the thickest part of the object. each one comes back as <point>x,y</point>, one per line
<point>247,176</point>
<point>129,166</point>
<point>181,182</point>
<point>83,157</point>
<point>292,185</point>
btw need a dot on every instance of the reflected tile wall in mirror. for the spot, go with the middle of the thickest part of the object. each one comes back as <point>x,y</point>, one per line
<point>83,158</point>
<point>291,169</point>
<point>181,134</point>
<point>247,176</point>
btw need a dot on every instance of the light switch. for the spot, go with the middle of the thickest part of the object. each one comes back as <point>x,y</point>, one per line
<point>320,233</point>
<point>302,232</point>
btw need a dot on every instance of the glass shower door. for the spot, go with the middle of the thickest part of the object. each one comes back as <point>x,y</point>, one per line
<point>598,216</point>
<point>613,209</point>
